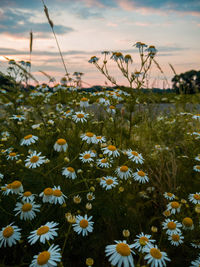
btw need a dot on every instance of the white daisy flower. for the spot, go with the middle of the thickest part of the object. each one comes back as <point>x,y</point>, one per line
<point>124,172</point>
<point>104,163</point>
<point>111,109</point>
<point>80,117</point>
<point>171,226</point>
<point>69,172</point>
<point>58,196</point>
<point>27,196</point>
<point>87,156</point>
<point>90,196</point>
<point>34,160</point>
<point>68,113</point>
<point>1,175</point>
<point>194,198</point>
<point>89,137</point>
<point>60,145</point>
<point>28,140</point>
<point>111,151</point>
<point>196,168</point>
<point>120,253</point>
<point>140,177</point>
<point>142,242</point>
<point>83,225</point>
<point>169,196</point>
<point>5,134</point>
<point>43,233</point>
<point>155,257</point>
<point>84,103</point>
<point>196,117</point>
<point>9,235</point>
<point>176,239</point>
<point>187,223</point>
<point>17,187</point>
<point>135,156</point>
<point>12,156</point>
<point>197,157</point>
<point>47,195</point>
<point>47,258</point>
<point>18,117</point>
<point>100,139</point>
<point>195,244</point>
<point>195,263</point>
<point>27,210</point>
<point>108,182</point>
<point>6,189</point>
<point>174,207</point>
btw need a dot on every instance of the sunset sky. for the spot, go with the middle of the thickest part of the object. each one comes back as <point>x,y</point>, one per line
<point>86,27</point>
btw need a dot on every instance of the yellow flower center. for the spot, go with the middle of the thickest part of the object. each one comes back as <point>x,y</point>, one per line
<point>141,173</point>
<point>83,223</point>
<point>171,225</point>
<point>48,191</point>
<point>103,160</point>
<point>197,196</point>
<point>123,169</point>
<point>26,207</point>
<point>155,253</point>
<point>86,156</point>
<point>109,181</point>
<point>16,184</point>
<point>143,240</point>
<point>175,205</point>
<point>99,137</point>
<point>84,99</point>
<point>112,107</point>
<point>43,230</point>
<point>70,169</point>
<point>12,154</point>
<point>8,231</point>
<point>9,186</point>
<point>28,136</point>
<point>61,141</point>
<point>34,159</point>
<point>27,194</point>
<point>169,194</point>
<point>175,237</point>
<point>18,116</point>
<point>80,115</point>
<point>198,167</point>
<point>57,193</point>
<point>89,134</point>
<point>112,148</point>
<point>187,221</point>
<point>43,257</point>
<point>134,153</point>
<point>123,249</point>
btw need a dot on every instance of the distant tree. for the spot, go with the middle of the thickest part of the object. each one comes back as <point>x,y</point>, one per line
<point>187,82</point>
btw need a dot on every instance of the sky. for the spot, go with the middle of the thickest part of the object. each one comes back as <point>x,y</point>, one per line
<point>84,28</point>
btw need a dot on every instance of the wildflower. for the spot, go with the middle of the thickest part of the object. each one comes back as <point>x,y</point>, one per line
<point>187,223</point>
<point>16,187</point>
<point>176,239</point>
<point>197,208</point>
<point>80,117</point>
<point>134,156</point>
<point>111,151</point>
<point>93,59</point>
<point>47,258</point>
<point>60,145</point>
<point>18,117</point>
<point>77,199</point>
<point>27,196</point>
<point>6,189</point>
<point>9,235</point>
<point>140,176</point>
<point>128,59</point>
<point>28,140</point>
<point>152,50</point>
<point>117,55</point>
<point>169,196</point>
<point>174,207</point>
<point>83,225</point>
<point>34,160</point>
<point>155,257</point>
<point>195,244</point>
<point>12,156</point>
<point>120,253</point>
<point>140,44</point>
<point>1,176</point>
<point>197,157</point>
<point>89,137</point>
<point>142,242</point>
<point>27,210</point>
<point>108,182</point>
<point>196,168</point>
<point>194,198</point>
<point>58,196</point>
<point>90,196</point>
<point>84,103</point>
<point>196,263</point>
<point>36,126</point>
<point>88,206</point>
<point>47,195</point>
<point>196,117</point>
<point>104,163</point>
<point>171,226</point>
<point>87,156</point>
<point>69,172</point>
<point>126,233</point>
<point>124,172</point>
<point>111,109</point>
<point>43,233</point>
<point>100,139</point>
<point>166,213</point>
<point>89,262</point>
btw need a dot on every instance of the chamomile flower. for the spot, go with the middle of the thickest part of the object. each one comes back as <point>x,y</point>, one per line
<point>47,258</point>
<point>140,177</point>
<point>187,223</point>
<point>196,117</point>
<point>169,196</point>
<point>27,196</point>
<point>176,239</point>
<point>58,196</point>
<point>111,109</point>
<point>34,160</point>
<point>60,145</point>
<point>28,140</point>
<point>90,196</point>
<point>47,195</point>
<point>155,257</point>
<point>174,207</point>
<point>142,242</point>
<point>13,156</point>
<point>43,233</point>
<point>68,113</point>
<point>120,253</point>
<point>87,156</point>
<point>80,117</point>
<point>111,151</point>
<point>27,210</point>
<point>18,117</point>
<point>17,187</point>
<point>100,139</point>
<point>195,244</point>
<point>195,263</point>
<point>6,189</point>
<point>84,103</point>
<point>197,157</point>
<point>134,156</point>
<point>69,172</point>
<point>108,182</point>
<point>104,163</point>
<point>9,235</point>
<point>89,137</point>
<point>83,225</point>
<point>196,168</point>
<point>194,198</point>
<point>124,172</point>
<point>171,226</point>
<point>1,175</point>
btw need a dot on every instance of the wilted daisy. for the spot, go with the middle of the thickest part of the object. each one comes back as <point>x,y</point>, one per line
<point>140,177</point>
<point>43,233</point>
<point>134,156</point>
<point>174,207</point>
<point>187,223</point>
<point>196,168</point>
<point>34,160</point>
<point>124,172</point>
<point>104,163</point>
<point>89,137</point>
<point>12,156</point>
<point>58,196</point>
<point>84,103</point>
<point>16,187</point>
<point>27,196</point>
<point>6,189</point>
<point>47,195</point>
<point>171,226</point>
<point>27,210</point>
<point>60,145</point>
<point>142,241</point>
<point>69,172</point>
<point>169,196</point>
<point>108,182</point>
<point>90,196</point>
<point>87,156</point>
<point>9,235</point>
<point>18,117</point>
<point>120,253</point>
<point>77,199</point>
<point>111,151</point>
<point>176,239</point>
<point>83,225</point>
<point>80,117</point>
<point>155,257</point>
<point>28,140</point>
<point>194,198</point>
<point>47,258</point>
